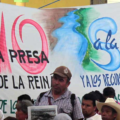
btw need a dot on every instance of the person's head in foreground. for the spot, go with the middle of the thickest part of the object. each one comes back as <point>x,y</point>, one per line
<point>61,80</point>
<point>22,111</point>
<point>109,109</point>
<point>10,118</point>
<point>62,116</point>
<point>109,92</point>
<point>88,105</point>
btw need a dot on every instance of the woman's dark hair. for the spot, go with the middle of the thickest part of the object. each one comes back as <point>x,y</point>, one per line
<point>25,97</point>
<point>99,96</point>
<point>10,118</point>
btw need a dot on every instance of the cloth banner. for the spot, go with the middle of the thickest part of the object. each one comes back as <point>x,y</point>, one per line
<point>34,42</point>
